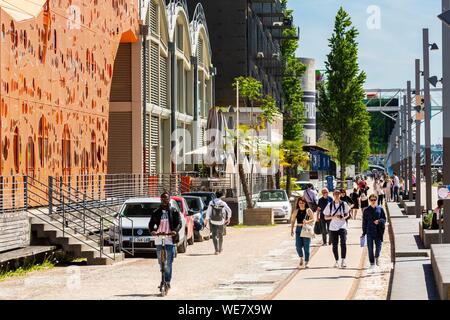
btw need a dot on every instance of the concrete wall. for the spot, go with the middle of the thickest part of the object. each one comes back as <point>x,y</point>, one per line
<point>14,231</point>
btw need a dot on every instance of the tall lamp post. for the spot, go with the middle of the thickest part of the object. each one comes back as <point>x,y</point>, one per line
<point>410,148</point>
<point>445,17</point>
<point>427,97</point>
<point>419,115</point>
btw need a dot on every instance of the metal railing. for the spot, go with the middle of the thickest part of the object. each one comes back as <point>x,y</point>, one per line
<point>87,227</point>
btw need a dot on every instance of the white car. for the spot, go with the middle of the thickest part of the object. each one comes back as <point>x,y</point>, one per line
<point>278,201</point>
<point>138,212</point>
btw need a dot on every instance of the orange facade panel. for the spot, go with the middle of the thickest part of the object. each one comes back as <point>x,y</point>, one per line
<point>56,72</point>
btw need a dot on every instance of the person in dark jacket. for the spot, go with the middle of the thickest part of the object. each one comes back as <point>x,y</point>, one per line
<point>355,199</point>
<point>166,219</point>
<point>373,225</point>
<point>324,224</point>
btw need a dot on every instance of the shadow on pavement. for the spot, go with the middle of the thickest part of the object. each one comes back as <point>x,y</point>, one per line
<point>138,295</point>
<point>199,254</point>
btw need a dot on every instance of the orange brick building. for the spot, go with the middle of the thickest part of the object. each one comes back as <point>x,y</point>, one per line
<point>56,68</point>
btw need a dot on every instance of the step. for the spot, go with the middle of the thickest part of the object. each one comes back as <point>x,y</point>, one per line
<point>105,260</point>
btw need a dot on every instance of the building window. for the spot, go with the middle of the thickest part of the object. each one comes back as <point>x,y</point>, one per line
<point>43,141</point>
<point>16,150</point>
<point>66,163</point>
<point>93,150</point>
<point>180,35</point>
<point>30,157</point>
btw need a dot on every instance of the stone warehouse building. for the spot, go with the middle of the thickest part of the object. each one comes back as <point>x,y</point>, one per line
<point>93,89</point>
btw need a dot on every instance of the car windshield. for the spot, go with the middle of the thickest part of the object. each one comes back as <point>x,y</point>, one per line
<point>180,205</point>
<point>194,204</point>
<point>271,196</point>
<point>206,198</point>
<point>140,209</point>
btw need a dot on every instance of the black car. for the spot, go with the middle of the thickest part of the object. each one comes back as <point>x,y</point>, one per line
<point>207,197</point>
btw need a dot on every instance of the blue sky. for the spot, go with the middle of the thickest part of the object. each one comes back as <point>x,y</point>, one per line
<point>386,54</point>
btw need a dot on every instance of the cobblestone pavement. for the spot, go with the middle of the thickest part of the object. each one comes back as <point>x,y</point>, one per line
<point>254,261</point>
<point>373,284</point>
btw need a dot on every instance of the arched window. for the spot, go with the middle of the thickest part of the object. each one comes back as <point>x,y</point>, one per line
<point>66,163</point>
<point>84,169</point>
<point>30,157</point>
<point>43,141</point>
<point>93,150</point>
<point>16,150</point>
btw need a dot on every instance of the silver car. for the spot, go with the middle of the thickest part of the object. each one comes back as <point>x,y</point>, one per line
<point>139,211</point>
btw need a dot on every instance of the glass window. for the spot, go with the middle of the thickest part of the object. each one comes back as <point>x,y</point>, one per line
<point>272,196</point>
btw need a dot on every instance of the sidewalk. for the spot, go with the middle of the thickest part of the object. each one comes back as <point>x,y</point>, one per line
<point>324,282</point>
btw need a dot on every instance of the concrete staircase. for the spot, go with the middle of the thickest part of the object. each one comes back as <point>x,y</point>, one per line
<point>76,244</point>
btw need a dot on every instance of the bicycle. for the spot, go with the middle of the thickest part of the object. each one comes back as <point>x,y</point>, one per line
<point>163,287</point>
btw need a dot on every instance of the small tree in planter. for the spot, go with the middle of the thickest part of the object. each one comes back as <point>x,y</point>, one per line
<point>250,90</point>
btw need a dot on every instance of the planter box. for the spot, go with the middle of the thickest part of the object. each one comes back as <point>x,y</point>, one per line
<point>430,237</point>
<point>258,217</point>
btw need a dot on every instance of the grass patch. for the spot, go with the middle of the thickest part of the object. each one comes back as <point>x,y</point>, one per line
<point>243,226</point>
<point>9,270</point>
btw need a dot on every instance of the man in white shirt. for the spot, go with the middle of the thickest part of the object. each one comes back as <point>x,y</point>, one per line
<point>218,214</point>
<point>337,212</point>
<point>396,186</point>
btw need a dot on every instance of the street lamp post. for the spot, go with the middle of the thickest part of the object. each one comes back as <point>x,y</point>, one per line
<point>445,110</point>
<point>418,121</point>
<point>404,147</point>
<point>427,97</point>
<point>410,147</point>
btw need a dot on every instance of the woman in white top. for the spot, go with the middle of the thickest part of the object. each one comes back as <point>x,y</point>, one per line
<point>387,189</point>
<point>380,193</point>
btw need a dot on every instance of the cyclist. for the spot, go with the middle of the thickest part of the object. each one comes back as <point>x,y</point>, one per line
<point>166,219</point>
<point>219,214</point>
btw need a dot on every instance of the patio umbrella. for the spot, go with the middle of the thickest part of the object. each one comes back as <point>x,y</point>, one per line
<point>212,128</point>
<point>230,170</point>
<point>21,10</point>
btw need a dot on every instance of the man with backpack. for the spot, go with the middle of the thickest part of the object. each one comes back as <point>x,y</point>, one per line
<point>373,226</point>
<point>218,214</point>
<point>337,212</point>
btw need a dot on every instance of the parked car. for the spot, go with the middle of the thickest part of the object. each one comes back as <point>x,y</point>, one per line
<point>198,206</point>
<point>188,215</point>
<point>207,197</point>
<point>278,201</point>
<point>138,211</point>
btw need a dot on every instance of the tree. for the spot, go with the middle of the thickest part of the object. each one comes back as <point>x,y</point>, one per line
<point>250,89</point>
<point>294,111</point>
<point>342,113</point>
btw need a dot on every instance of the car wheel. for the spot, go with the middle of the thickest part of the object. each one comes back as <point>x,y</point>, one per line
<point>183,246</point>
<point>198,236</point>
<point>191,239</point>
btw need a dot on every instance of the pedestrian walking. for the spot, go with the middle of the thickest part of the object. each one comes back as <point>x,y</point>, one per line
<point>324,224</point>
<point>337,212</point>
<point>310,195</point>
<point>364,199</point>
<point>387,189</point>
<point>302,215</point>
<point>373,226</point>
<point>355,198</point>
<point>219,215</point>
<point>348,200</point>
<point>380,193</point>
<point>396,186</point>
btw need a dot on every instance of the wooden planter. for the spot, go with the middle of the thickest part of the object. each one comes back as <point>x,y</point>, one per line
<point>258,217</point>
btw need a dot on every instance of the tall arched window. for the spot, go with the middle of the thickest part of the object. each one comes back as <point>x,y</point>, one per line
<point>16,150</point>
<point>30,157</point>
<point>93,150</point>
<point>43,141</point>
<point>66,163</point>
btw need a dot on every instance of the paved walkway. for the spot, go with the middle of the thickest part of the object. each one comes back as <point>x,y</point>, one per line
<point>324,282</point>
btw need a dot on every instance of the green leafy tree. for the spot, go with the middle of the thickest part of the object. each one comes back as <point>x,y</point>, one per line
<point>250,89</point>
<point>343,115</point>
<point>294,111</point>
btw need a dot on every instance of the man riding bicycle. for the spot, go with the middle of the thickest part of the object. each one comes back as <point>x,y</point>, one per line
<point>165,220</point>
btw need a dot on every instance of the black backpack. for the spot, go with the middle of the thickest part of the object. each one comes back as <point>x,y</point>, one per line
<point>217,212</point>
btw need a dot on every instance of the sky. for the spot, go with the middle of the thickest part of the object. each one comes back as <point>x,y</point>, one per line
<point>390,39</point>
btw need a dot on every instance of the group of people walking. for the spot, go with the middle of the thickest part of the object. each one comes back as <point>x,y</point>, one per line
<point>329,216</point>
